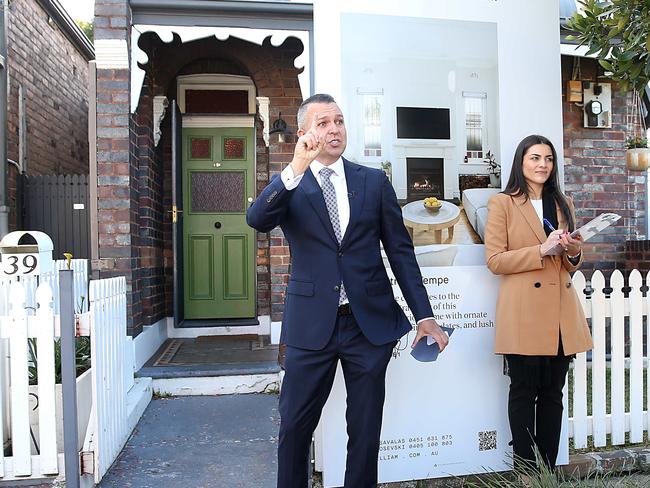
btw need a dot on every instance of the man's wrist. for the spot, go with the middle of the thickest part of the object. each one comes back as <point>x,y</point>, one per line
<point>422,320</point>
<point>298,168</point>
<point>289,179</point>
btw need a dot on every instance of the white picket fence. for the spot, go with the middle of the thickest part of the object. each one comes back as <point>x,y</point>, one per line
<point>111,369</point>
<point>112,372</point>
<point>17,327</point>
<point>80,277</point>
<point>617,310</point>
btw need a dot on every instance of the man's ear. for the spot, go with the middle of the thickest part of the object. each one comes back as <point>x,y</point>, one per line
<point>300,132</point>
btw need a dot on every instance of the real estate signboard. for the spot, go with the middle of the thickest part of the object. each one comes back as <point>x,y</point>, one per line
<point>441,418</point>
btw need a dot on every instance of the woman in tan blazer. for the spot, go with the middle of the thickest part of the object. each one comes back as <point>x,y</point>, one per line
<point>540,324</point>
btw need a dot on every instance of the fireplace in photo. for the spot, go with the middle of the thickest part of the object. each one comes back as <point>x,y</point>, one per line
<point>425,178</point>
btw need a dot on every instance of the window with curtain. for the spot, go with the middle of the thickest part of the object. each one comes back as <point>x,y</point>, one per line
<point>371,125</point>
<point>475,124</point>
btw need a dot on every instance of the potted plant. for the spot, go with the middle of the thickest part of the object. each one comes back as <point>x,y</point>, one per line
<point>388,169</point>
<point>494,169</point>
<point>637,156</point>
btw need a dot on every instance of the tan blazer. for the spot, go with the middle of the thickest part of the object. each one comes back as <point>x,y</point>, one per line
<point>537,300</point>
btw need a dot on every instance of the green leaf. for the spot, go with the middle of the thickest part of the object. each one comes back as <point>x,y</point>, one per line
<point>593,50</point>
<point>606,64</point>
<point>627,56</point>
<point>647,43</point>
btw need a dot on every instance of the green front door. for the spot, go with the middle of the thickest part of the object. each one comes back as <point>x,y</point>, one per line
<point>219,248</point>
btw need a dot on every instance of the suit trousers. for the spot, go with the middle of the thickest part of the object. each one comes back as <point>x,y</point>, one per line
<point>306,386</point>
<point>535,408</point>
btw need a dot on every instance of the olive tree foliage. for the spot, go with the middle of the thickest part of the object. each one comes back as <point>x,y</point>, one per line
<point>617,32</point>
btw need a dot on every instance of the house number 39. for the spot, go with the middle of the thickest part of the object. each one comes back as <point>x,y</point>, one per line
<point>19,264</point>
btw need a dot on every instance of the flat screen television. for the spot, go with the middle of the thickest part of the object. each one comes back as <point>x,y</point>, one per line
<point>422,123</point>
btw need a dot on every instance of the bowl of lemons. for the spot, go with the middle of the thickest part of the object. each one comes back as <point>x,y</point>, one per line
<point>432,204</point>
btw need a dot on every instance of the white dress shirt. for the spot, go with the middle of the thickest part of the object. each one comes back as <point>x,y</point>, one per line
<point>338,181</point>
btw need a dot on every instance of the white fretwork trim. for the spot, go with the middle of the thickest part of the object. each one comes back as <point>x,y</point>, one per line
<point>187,34</point>
<point>112,54</point>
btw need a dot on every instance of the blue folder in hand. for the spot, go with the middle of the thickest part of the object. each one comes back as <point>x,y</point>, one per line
<point>425,352</point>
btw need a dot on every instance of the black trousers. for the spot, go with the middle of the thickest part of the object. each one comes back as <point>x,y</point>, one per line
<point>535,406</point>
<point>307,383</point>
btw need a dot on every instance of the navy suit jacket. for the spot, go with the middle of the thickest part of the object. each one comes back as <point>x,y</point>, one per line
<point>319,263</point>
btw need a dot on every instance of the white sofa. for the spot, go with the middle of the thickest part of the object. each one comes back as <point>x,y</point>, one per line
<point>447,255</point>
<point>475,202</point>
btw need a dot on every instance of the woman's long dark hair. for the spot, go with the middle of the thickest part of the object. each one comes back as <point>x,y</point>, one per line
<point>518,186</point>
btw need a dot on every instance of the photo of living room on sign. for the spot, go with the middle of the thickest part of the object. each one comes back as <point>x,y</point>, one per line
<point>424,109</point>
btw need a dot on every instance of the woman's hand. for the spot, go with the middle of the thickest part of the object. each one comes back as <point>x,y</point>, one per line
<point>572,245</point>
<point>553,240</point>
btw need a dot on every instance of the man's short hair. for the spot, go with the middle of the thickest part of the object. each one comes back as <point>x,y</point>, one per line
<point>302,110</point>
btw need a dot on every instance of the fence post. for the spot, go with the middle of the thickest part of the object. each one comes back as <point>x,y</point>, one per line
<point>69,378</point>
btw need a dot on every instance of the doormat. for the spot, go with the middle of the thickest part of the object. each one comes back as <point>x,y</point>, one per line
<point>169,353</point>
<point>217,350</point>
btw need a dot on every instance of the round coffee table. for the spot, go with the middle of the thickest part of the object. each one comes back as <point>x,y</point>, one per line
<point>418,218</point>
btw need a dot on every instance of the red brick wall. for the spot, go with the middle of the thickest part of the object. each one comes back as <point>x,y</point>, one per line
<point>637,256</point>
<point>150,213</point>
<point>117,182</point>
<point>54,79</point>
<point>597,178</point>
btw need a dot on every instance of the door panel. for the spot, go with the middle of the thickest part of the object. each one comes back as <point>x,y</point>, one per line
<point>218,178</point>
<point>218,192</point>
<point>201,254</point>
<point>234,259</point>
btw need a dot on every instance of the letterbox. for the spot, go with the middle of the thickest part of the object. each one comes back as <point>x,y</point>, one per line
<point>26,253</point>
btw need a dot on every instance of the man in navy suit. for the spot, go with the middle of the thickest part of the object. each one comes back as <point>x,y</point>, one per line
<point>339,303</point>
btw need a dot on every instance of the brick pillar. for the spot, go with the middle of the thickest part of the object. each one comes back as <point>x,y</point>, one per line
<point>279,82</point>
<point>116,179</point>
<point>280,156</point>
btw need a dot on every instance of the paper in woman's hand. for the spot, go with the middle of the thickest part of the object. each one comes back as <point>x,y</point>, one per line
<point>588,230</point>
<point>595,226</point>
<point>427,350</point>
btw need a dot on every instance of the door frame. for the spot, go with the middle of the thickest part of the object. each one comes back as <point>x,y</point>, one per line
<point>210,122</point>
<point>212,82</point>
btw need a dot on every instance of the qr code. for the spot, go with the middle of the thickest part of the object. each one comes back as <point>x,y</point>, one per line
<point>487,440</point>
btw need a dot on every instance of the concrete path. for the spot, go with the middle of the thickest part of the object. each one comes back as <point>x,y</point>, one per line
<point>231,442</point>
<point>201,442</point>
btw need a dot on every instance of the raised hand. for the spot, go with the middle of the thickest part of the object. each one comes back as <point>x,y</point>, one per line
<point>308,147</point>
